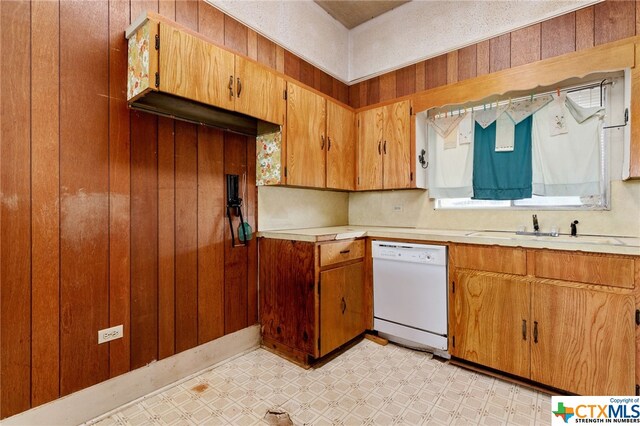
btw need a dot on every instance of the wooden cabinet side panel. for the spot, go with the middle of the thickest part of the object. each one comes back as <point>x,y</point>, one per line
<point>288,293</point>
<point>142,61</point>
<point>585,340</point>
<point>341,147</point>
<point>260,92</point>
<point>396,146</point>
<point>486,320</point>
<point>634,150</point>
<point>342,313</point>
<point>370,135</point>
<point>509,260</point>
<point>194,69</point>
<point>585,268</point>
<point>306,138</point>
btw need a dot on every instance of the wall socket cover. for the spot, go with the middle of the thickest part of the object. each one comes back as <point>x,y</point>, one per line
<point>396,208</point>
<point>108,334</point>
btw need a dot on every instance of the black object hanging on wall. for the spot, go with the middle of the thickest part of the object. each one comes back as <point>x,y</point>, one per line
<point>234,208</point>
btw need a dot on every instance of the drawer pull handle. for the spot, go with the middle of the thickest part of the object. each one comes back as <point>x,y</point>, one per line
<point>231,86</point>
<point>524,329</point>
<point>322,144</point>
<point>344,251</point>
<point>379,145</point>
<point>343,305</point>
<point>239,87</point>
<point>385,148</point>
<point>535,332</point>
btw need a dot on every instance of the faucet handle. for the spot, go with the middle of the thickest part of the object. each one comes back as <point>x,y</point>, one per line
<point>536,227</point>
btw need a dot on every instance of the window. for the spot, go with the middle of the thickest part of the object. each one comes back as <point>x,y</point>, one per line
<point>587,97</point>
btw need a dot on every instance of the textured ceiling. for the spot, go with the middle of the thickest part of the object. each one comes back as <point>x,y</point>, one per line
<point>352,13</point>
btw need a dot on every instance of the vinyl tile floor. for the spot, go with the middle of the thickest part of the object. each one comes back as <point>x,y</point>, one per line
<point>368,384</point>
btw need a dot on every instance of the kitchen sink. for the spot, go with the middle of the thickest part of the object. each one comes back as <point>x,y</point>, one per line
<point>580,239</point>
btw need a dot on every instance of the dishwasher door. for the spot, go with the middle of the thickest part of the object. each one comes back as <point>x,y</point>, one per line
<point>410,292</point>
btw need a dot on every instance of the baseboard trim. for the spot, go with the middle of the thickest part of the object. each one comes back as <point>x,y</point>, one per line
<point>103,397</point>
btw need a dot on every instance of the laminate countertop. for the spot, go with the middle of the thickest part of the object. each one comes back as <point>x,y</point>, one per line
<point>585,243</point>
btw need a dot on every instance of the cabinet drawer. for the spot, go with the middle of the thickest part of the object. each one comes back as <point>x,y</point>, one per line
<point>508,260</point>
<point>585,268</point>
<point>341,252</point>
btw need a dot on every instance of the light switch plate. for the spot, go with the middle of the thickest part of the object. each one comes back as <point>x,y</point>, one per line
<point>112,333</point>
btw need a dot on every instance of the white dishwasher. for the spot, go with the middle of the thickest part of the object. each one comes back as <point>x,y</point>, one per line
<point>410,294</point>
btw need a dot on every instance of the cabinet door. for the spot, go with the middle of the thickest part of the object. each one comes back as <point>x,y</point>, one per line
<point>259,92</point>
<point>585,340</point>
<point>487,320</point>
<point>194,69</point>
<point>306,139</point>
<point>341,147</point>
<point>342,314</point>
<point>396,146</point>
<point>370,136</point>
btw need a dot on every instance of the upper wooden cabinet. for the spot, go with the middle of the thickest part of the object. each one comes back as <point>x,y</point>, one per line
<point>166,58</point>
<point>306,137</point>
<point>384,147</point>
<point>320,141</point>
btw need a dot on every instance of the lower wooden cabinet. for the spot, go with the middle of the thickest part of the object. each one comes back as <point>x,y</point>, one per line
<point>308,310</point>
<point>489,321</point>
<point>573,336</point>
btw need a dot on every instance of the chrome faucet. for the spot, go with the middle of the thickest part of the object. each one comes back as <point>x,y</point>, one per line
<point>536,230</point>
<point>574,228</point>
<point>536,227</point>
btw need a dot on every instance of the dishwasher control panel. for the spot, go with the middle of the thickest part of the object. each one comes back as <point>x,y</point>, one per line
<point>414,253</point>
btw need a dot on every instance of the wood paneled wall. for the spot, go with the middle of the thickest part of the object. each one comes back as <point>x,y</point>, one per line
<point>602,23</point>
<point>110,216</point>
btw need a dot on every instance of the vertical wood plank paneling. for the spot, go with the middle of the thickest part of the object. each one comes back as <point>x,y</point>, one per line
<point>251,209</point>
<point>235,258</point>
<point>45,181</point>
<point>166,8</point>
<point>421,76</point>
<point>138,7</point>
<point>119,191</point>
<point>186,147</point>
<point>387,86</point>
<point>452,67</point>
<point>436,72</point>
<point>266,52</point>
<point>500,53</point>
<point>291,65</point>
<point>235,35</point>
<point>482,55</point>
<point>341,90</point>
<point>144,239</point>
<point>558,36</point>
<point>252,44</point>
<point>187,13</point>
<point>322,81</point>
<point>15,234</point>
<point>354,95</point>
<point>614,20</point>
<point>467,62</point>
<point>280,59</point>
<point>211,226</point>
<point>211,22</point>
<point>307,74</point>
<point>166,237</point>
<point>584,28</point>
<point>84,183</point>
<point>373,91</point>
<point>406,80</point>
<point>364,92</point>
<point>211,25</point>
<point>637,17</point>
<point>525,45</point>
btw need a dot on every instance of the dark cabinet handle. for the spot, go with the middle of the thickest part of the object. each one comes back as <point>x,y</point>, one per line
<point>344,251</point>
<point>379,150</point>
<point>385,148</point>
<point>231,86</point>
<point>329,143</point>
<point>343,305</point>
<point>524,329</point>
<point>322,143</point>
<point>535,332</point>
<point>239,87</point>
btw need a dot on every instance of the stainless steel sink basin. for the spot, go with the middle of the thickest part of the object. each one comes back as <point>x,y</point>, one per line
<point>565,239</point>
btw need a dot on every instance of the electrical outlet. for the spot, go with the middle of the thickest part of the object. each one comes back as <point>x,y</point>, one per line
<point>109,334</point>
<point>397,208</point>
